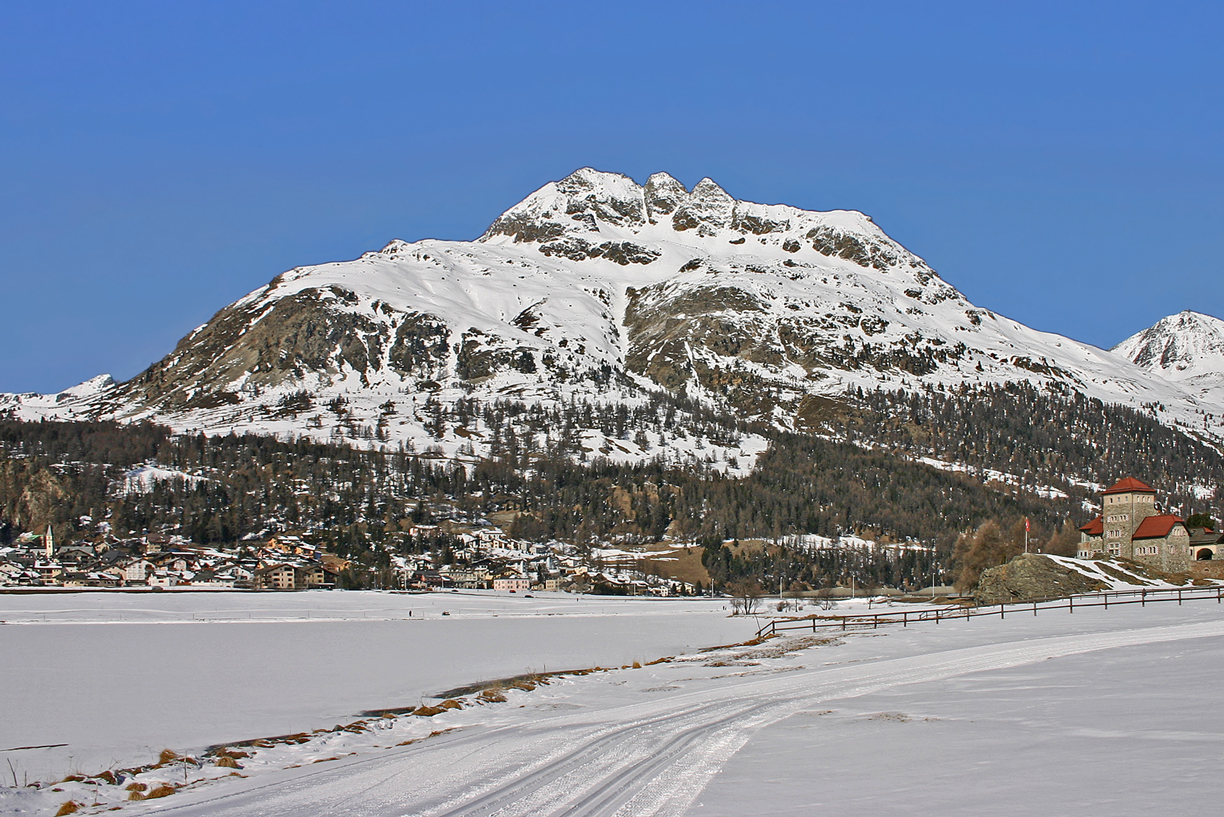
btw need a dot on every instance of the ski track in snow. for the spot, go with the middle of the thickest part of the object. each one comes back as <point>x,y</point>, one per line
<point>640,760</point>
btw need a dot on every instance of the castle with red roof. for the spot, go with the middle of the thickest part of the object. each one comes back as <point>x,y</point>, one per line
<point>1130,527</point>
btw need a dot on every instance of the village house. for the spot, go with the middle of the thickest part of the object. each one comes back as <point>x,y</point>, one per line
<point>275,577</point>
<point>1130,527</point>
<point>513,584</point>
<point>137,571</point>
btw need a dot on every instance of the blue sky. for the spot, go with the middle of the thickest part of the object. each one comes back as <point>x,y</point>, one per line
<point>1060,163</point>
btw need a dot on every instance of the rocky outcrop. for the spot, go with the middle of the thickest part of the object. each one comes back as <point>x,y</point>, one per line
<point>1032,576</point>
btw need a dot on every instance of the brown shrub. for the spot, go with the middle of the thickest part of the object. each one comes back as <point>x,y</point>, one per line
<point>71,807</point>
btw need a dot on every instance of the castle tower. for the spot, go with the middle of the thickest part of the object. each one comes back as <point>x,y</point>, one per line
<point>1124,506</point>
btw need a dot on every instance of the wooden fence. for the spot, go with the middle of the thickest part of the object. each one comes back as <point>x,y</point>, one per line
<point>938,614</point>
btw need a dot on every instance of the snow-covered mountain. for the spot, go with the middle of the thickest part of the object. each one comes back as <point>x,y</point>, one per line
<point>1186,348</point>
<point>597,288</point>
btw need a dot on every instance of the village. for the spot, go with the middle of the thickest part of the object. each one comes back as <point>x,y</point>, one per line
<point>483,558</point>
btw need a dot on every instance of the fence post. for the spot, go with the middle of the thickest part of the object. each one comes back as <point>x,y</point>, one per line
<point>1034,608</point>
<point>1106,601</point>
<point>1000,611</point>
<point>843,618</point>
<point>1143,597</point>
<point>1179,597</point>
<point>904,618</point>
<point>1071,604</point>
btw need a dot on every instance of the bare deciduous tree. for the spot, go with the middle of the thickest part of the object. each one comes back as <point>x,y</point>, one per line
<point>745,597</point>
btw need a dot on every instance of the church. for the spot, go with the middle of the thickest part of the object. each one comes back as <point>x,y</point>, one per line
<point>1130,527</point>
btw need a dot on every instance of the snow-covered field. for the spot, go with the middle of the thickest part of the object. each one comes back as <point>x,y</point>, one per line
<point>1112,711</point>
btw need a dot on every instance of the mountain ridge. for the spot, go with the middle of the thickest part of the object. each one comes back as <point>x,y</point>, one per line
<point>597,288</point>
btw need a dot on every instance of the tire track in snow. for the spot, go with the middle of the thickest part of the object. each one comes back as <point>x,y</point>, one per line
<point>649,759</point>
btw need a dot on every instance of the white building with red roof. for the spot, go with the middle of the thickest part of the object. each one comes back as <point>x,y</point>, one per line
<point>1130,527</point>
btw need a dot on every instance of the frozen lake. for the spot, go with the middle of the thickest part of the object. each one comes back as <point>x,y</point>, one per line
<point>119,677</point>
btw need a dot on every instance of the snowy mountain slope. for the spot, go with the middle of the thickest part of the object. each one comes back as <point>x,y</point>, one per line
<point>1186,348</point>
<point>597,288</point>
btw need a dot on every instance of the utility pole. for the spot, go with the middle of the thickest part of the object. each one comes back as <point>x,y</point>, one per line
<point>933,577</point>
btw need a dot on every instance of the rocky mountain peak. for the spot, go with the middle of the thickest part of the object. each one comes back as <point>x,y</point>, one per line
<point>706,209</point>
<point>589,200</point>
<point>1180,347</point>
<point>594,214</point>
<point>663,195</point>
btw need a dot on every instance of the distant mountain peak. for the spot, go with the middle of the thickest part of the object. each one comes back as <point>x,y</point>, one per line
<point>1188,344</point>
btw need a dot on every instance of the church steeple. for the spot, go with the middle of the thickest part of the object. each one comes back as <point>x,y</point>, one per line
<point>49,543</point>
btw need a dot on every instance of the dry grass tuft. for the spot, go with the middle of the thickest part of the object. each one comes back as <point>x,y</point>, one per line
<point>73,778</point>
<point>525,684</point>
<point>70,807</point>
<point>162,790</point>
<point>325,759</point>
<point>637,664</point>
<point>166,756</point>
<point>451,703</point>
<point>136,787</point>
<point>227,762</point>
<point>428,711</point>
<point>236,754</point>
<point>108,777</point>
<point>492,696</point>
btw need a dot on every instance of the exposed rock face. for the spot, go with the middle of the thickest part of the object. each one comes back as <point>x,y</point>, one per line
<point>1031,576</point>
